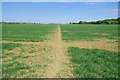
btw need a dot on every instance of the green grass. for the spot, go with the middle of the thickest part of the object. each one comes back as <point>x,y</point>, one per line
<point>27,32</point>
<point>5,55</point>
<point>0,31</point>
<point>94,63</point>
<point>71,32</point>
<point>30,61</point>
<point>13,69</point>
<point>11,66</point>
<point>20,56</point>
<point>10,46</point>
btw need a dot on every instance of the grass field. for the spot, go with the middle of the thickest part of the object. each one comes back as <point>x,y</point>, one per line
<point>27,32</point>
<point>88,32</point>
<point>59,51</point>
<point>94,63</point>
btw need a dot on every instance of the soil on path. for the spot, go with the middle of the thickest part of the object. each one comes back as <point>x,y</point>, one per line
<point>60,57</point>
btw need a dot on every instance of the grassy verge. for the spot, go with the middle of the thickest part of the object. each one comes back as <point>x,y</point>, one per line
<point>94,63</point>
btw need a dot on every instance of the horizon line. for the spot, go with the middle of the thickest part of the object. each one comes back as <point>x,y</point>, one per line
<point>58,22</point>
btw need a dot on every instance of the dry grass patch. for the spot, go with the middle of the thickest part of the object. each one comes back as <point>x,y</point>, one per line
<point>102,43</point>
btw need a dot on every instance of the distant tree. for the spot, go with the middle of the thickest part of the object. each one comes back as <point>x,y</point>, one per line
<point>80,22</point>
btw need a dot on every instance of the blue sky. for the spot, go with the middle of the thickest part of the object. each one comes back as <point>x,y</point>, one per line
<point>58,12</point>
<point>60,0</point>
<point>0,11</point>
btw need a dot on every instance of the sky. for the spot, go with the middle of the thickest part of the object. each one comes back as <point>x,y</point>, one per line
<point>58,12</point>
<point>60,0</point>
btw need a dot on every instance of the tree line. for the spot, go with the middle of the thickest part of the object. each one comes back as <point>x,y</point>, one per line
<point>106,21</point>
<point>19,23</point>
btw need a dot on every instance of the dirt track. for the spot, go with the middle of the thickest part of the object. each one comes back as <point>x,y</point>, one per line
<point>59,57</point>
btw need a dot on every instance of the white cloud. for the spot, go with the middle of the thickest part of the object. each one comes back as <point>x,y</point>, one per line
<point>60,0</point>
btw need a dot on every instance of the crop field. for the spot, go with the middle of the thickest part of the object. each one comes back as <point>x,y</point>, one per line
<point>94,62</point>
<point>27,32</point>
<point>59,51</point>
<point>25,60</point>
<point>88,32</point>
